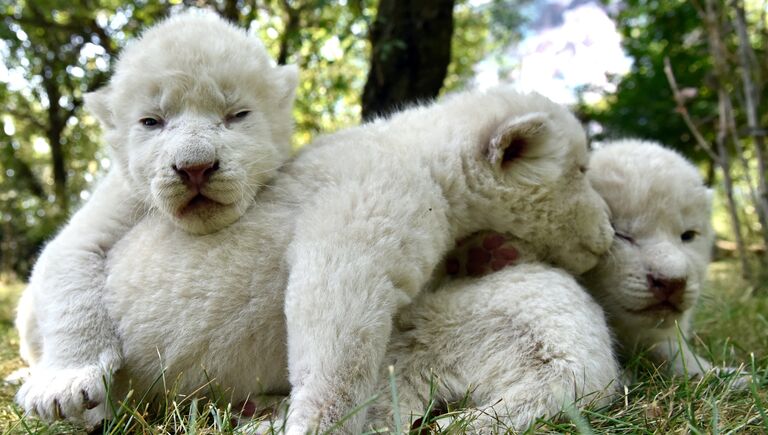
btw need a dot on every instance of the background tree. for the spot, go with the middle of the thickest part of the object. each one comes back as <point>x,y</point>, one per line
<point>54,52</point>
<point>405,65</point>
<point>643,105</point>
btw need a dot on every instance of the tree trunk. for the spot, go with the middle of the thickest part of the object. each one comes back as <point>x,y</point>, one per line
<point>711,166</point>
<point>289,34</point>
<point>7,252</point>
<point>21,168</point>
<point>231,11</point>
<point>746,270</point>
<point>752,103</point>
<point>56,124</point>
<point>410,53</point>
<point>712,20</point>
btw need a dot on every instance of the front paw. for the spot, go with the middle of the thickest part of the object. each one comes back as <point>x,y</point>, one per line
<point>303,417</point>
<point>332,415</point>
<point>737,377</point>
<point>77,395</point>
<point>261,415</point>
<point>296,425</point>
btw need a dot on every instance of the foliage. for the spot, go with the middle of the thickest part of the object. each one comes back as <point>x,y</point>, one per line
<point>53,53</point>
<point>643,105</point>
<point>327,40</point>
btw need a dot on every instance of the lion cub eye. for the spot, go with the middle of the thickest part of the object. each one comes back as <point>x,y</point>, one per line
<point>150,122</point>
<point>689,235</point>
<point>583,169</point>
<point>239,115</point>
<point>625,237</point>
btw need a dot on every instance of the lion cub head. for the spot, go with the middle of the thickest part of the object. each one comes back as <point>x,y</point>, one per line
<point>653,274</point>
<point>197,118</point>
<point>529,180</point>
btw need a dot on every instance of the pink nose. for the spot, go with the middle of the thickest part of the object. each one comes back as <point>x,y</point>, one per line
<point>196,175</point>
<point>666,289</point>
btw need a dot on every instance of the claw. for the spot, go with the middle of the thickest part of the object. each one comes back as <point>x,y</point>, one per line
<point>57,413</point>
<point>87,402</point>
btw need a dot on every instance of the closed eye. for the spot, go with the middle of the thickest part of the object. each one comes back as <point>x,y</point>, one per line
<point>625,237</point>
<point>238,116</point>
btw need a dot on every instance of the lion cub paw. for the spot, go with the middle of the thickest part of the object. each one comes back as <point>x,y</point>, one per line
<point>77,395</point>
<point>738,378</point>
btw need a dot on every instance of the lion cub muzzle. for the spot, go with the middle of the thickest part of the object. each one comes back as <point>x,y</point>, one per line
<point>668,292</point>
<point>195,176</point>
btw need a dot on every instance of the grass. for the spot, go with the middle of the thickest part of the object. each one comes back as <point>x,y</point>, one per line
<point>732,330</point>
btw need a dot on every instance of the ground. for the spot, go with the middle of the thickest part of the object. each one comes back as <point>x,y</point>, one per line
<point>732,325</point>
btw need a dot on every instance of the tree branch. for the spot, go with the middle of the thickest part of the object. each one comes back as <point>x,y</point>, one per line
<point>24,171</point>
<point>683,111</point>
<point>291,27</point>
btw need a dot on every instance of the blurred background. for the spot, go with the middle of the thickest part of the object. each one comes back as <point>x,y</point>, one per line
<point>689,74</point>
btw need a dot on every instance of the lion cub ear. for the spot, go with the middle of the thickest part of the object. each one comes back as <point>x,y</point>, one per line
<point>288,81</point>
<point>97,102</point>
<point>520,137</point>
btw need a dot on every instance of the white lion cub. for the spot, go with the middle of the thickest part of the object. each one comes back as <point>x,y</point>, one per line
<point>363,217</point>
<point>352,228</point>
<point>391,198</point>
<point>544,342</point>
<point>652,277</point>
<point>197,120</point>
<point>653,274</point>
<point>519,344</point>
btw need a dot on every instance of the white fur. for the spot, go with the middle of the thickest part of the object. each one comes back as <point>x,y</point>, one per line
<point>65,335</point>
<point>225,292</point>
<point>655,195</point>
<point>378,205</point>
<point>483,338</point>
<point>393,197</point>
<point>192,72</point>
<point>515,345</point>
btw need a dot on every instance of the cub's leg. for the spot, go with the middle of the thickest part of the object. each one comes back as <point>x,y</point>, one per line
<point>333,364</point>
<point>66,335</point>
<point>352,266</point>
<point>521,343</point>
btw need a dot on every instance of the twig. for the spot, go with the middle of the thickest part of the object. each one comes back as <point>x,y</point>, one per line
<point>292,27</point>
<point>683,111</point>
